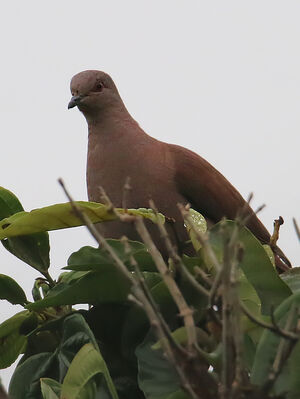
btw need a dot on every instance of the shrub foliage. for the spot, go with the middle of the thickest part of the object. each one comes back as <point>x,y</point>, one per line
<point>221,324</point>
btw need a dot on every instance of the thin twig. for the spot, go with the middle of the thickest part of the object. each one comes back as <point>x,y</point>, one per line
<point>175,257</point>
<point>274,328</point>
<point>140,296</point>
<point>296,228</point>
<point>126,191</point>
<point>203,275</point>
<point>149,296</point>
<point>214,287</point>
<point>185,312</point>
<point>228,355</point>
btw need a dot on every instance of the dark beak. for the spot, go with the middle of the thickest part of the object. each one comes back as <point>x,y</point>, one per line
<point>75,100</point>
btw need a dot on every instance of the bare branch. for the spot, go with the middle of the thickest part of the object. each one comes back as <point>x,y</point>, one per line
<point>137,290</point>
<point>126,191</point>
<point>296,228</point>
<point>185,312</point>
<point>274,328</point>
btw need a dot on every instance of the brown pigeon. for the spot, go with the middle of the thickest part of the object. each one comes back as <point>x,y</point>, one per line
<point>168,174</point>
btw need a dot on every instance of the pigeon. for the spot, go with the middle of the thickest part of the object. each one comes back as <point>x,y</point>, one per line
<point>168,174</point>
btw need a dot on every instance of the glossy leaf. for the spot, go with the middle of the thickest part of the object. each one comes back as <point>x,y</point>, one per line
<point>34,249</point>
<point>25,382</point>
<point>11,291</point>
<point>86,364</point>
<point>50,388</point>
<point>12,342</point>
<point>268,344</point>
<point>11,346</point>
<point>294,372</point>
<point>9,203</point>
<point>200,223</point>
<point>74,333</point>
<point>93,288</point>
<point>61,216</point>
<point>255,264</point>
<point>156,377</point>
<point>292,278</point>
<point>89,258</point>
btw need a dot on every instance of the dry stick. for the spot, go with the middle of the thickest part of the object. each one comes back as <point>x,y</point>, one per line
<point>149,296</point>
<point>139,293</point>
<point>203,275</point>
<point>174,254</point>
<point>203,239</point>
<point>156,323</point>
<point>228,358</point>
<point>185,311</point>
<point>296,228</point>
<point>233,247</point>
<point>182,268</point>
<point>126,191</point>
<point>210,307</point>
<point>97,236</point>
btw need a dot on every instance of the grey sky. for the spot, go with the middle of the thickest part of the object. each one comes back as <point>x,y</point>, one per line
<point>219,77</point>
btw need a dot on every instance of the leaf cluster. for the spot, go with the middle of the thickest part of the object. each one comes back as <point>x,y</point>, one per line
<point>221,324</point>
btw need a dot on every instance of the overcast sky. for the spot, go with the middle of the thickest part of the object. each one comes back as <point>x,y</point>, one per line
<point>219,77</point>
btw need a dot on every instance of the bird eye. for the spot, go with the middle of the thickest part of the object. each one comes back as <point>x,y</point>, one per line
<point>99,86</point>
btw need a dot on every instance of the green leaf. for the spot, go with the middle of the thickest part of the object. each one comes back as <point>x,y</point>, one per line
<point>156,377</point>
<point>93,288</point>
<point>61,216</point>
<point>86,364</point>
<point>268,344</point>
<point>29,324</point>
<point>33,249</point>
<point>179,336</point>
<point>270,253</point>
<point>11,291</point>
<point>89,258</point>
<point>9,203</point>
<point>294,372</point>
<point>74,333</point>
<point>255,264</point>
<point>11,346</point>
<point>200,223</point>
<point>25,382</point>
<point>13,323</point>
<point>12,342</point>
<point>292,278</point>
<point>50,388</point>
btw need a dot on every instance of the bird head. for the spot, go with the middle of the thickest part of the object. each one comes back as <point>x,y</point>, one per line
<point>93,92</point>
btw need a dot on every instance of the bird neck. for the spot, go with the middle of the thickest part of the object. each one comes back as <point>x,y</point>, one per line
<point>113,122</point>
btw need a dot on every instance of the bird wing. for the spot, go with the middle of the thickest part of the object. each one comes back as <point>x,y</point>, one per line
<point>209,192</point>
